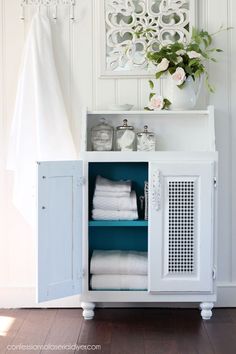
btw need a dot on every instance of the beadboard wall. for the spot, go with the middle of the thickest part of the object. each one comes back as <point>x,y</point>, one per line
<point>77,55</point>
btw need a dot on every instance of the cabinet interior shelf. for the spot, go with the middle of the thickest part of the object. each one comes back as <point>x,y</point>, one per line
<point>121,223</point>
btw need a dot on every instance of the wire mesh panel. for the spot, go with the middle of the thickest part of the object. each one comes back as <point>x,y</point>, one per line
<point>181,226</point>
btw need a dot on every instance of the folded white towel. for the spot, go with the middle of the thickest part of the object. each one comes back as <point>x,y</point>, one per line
<point>119,262</point>
<point>100,214</point>
<point>111,194</point>
<point>122,203</point>
<point>106,185</point>
<point>119,282</point>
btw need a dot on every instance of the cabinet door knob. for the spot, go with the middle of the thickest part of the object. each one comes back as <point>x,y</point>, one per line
<point>156,190</point>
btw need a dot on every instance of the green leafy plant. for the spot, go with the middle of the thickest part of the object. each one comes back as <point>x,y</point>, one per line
<point>183,60</point>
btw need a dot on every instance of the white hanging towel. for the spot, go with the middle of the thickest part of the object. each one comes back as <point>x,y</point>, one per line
<point>40,129</point>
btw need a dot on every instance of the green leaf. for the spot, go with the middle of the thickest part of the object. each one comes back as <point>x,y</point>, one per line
<point>167,103</point>
<point>198,73</point>
<point>209,39</point>
<point>158,75</point>
<point>209,87</point>
<point>188,70</point>
<point>205,42</point>
<point>151,84</point>
<point>151,95</point>
<point>147,109</point>
<point>172,70</point>
<point>193,62</point>
<point>181,86</point>
<point>205,55</point>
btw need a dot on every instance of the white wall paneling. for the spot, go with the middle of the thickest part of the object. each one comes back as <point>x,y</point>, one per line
<point>221,77</point>
<point>232,73</point>
<point>77,51</point>
<point>128,90</point>
<point>1,128</point>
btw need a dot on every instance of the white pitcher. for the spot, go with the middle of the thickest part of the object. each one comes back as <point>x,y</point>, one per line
<point>182,98</point>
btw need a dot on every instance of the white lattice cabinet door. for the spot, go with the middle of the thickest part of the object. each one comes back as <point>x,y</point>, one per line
<point>181,227</point>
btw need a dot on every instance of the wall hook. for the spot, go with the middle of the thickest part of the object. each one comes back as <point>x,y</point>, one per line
<point>49,3</point>
<point>55,13</point>
<point>22,15</point>
<point>72,10</point>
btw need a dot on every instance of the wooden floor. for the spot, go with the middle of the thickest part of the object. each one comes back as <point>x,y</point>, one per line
<point>117,331</point>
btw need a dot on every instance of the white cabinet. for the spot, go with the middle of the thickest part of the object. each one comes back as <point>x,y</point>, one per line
<point>179,235</point>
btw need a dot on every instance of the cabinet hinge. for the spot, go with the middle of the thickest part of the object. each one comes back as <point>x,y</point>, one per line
<point>215,182</point>
<point>81,181</point>
<point>213,273</point>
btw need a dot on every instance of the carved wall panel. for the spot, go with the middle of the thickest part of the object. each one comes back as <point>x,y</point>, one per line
<point>164,21</point>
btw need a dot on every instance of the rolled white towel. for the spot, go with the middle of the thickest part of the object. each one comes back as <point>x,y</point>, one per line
<point>125,142</point>
<point>119,262</point>
<point>106,185</point>
<point>100,214</point>
<point>119,282</point>
<point>122,203</point>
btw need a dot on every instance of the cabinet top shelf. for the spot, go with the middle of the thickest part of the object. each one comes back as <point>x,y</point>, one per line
<point>187,130</point>
<point>152,113</point>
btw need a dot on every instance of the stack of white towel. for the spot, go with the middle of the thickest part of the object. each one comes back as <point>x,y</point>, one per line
<point>114,200</point>
<point>118,270</point>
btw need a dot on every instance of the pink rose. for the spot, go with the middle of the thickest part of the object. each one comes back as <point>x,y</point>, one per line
<point>163,65</point>
<point>181,52</point>
<point>179,76</point>
<point>194,55</point>
<point>179,60</point>
<point>156,103</point>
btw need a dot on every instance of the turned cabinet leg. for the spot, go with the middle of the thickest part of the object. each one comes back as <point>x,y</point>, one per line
<point>88,310</point>
<point>206,308</point>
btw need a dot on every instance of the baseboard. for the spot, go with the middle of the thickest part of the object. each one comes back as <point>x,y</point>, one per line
<point>226,295</point>
<point>24,297</point>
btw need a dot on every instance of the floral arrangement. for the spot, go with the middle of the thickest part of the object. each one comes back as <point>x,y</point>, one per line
<point>181,61</point>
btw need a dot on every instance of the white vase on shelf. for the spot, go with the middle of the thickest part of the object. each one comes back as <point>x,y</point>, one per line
<point>184,98</point>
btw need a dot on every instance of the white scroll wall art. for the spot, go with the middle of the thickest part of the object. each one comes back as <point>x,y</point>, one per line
<point>164,21</point>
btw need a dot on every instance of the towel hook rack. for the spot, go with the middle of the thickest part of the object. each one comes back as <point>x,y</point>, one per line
<point>49,3</point>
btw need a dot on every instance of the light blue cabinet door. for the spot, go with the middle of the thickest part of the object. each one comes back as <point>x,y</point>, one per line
<point>59,229</point>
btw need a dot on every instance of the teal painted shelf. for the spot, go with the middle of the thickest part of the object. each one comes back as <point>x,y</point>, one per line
<point>118,223</point>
